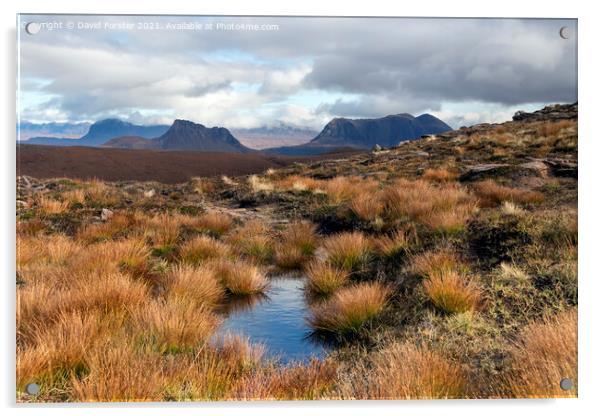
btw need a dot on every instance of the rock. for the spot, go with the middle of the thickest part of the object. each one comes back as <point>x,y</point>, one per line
<point>105,214</point>
<point>479,171</point>
<point>421,153</point>
<point>538,167</point>
<point>150,193</point>
<point>562,167</point>
<point>377,148</point>
<point>550,113</point>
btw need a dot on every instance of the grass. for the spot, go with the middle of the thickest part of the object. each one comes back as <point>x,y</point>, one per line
<point>348,251</point>
<point>492,194</point>
<point>439,175</point>
<point>198,284</point>
<point>350,308</point>
<point>545,353</point>
<point>297,243</point>
<point>366,207</point>
<point>215,223</point>
<point>239,277</point>
<point>48,206</point>
<point>437,262</point>
<point>401,241</point>
<point>344,188</point>
<point>202,248</point>
<point>252,240</point>
<point>409,371</point>
<point>323,279</point>
<point>452,292</point>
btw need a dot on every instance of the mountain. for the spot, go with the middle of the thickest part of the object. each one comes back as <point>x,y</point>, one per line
<point>386,131</point>
<point>27,129</point>
<point>186,135</point>
<point>131,142</point>
<point>344,133</point>
<point>101,131</point>
<point>281,134</point>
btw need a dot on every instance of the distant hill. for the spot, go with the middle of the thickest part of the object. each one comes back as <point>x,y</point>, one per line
<point>186,135</point>
<point>277,135</point>
<point>27,130</point>
<point>104,130</point>
<point>386,131</point>
<point>366,133</point>
<point>131,142</point>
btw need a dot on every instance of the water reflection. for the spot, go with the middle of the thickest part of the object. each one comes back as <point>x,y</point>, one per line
<point>278,320</point>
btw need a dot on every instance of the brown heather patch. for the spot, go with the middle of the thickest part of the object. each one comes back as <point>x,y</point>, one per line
<point>411,372</point>
<point>545,353</point>
<point>349,308</point>
<point>203,248</point>
<point>323,279</point>
<point>439,175</point>
<point>491,194</point>
<point>452,292</point>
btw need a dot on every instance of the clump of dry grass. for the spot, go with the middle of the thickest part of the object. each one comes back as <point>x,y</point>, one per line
<point>99,193</point>
<point>550,129</point>
<point>202,248</point>
<point>409,371</point>
<point>174,324</point>
<point>348,251</point>
<point>253,240</point>
<point>202,186</point>
<point>214,222</point>
<point>349,308</point>
<point>75,196</point>
<point>344,188</point>
<point>296,382</point>
<point>297,243</point>
<point>545,353</point>
<point>492,194</point>
<point>446,208</point>
<point>239,277</point>
<point>400,241</point>
<point>259,185</point>
<point>198,284</point>
<point>366,206</point>
<point>452,292</point>
<point>437,262</point>
<point>297,183</point>
<point>439,175</point>
<point>323,279</point>
<point>48,206</point>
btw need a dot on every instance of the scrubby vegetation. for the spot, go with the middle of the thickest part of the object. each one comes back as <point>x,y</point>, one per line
<point>443,268</point>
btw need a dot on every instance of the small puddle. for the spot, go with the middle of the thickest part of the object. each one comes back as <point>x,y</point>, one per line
<point>277,320</point>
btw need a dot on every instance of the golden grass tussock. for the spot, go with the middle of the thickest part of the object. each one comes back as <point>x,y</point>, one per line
<point>295,382</point>
<point>164,229</point>
<point>324,279</point>
<point>437,262</point>
<point>49,206</point>
<point>551,129</point>
<point>239,277</point>
<point>297,243</point>
<point>75,197</point>
<point>411,372</point>
<point>252,240</point>
<point>366,206</point>
<point>401,241</point>
<point>439,175</point>
<point>446,207</point>
<point>544,354</point>
<point>348,251</point>
<point>202,248</point>
<point>174,324</point>
<point>99,193</point>
<point>198,284</point>
<point>492,194</point>
<point>202,186</point>
<point>453,292</point>
<point>260,185</point>
<point>298,183</point>
<point>215,223</point>
<point>344,188</point>
<point>350,308</point>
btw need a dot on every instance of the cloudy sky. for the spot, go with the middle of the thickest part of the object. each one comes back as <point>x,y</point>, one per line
<point>248,72</point>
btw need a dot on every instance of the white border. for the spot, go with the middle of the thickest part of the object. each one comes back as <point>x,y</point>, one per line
<point>590,149</point>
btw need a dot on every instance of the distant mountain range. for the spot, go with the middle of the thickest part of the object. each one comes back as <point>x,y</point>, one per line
<point>339,134</point>
<point>27,130</point>
<point>366,133</point>
<point>102,131</point>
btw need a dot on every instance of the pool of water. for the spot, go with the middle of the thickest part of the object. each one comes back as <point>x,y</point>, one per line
<point>276,320</point>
